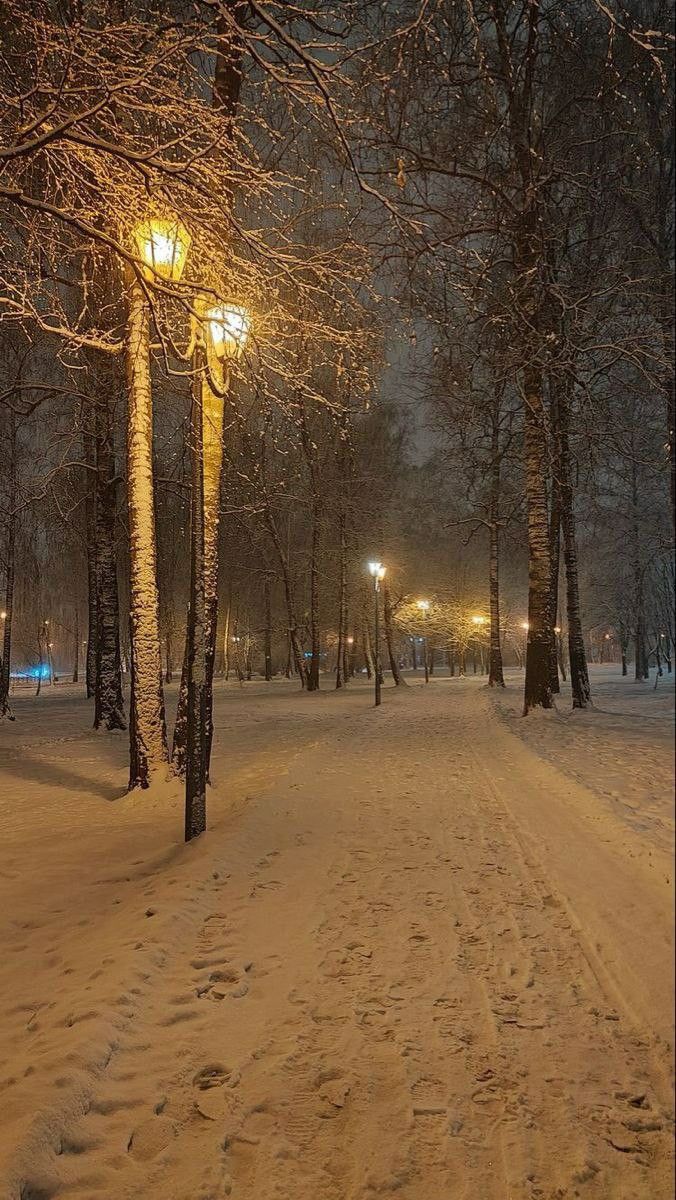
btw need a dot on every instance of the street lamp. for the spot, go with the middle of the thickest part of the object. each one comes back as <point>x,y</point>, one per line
<point>377,571</point>
<point>221,333</point>
<point>478,621</point>
<point>162,245</point>
<point>228,327</point>
<point>424,606</point>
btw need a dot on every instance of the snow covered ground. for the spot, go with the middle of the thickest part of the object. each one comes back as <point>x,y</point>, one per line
<point>423,952</point>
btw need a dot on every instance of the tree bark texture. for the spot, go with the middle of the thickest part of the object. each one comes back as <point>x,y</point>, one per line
<point>495,675</point>
<point>89,451</point>
<point>342,668</point>
<point>537,690</point>
<point>5,665</point>
<point>313,672</point>
<point>579,675</point>
<point>388,621</point>
<point>108,701</point>
<point>267,635</point>
<point>198,631</point>
<point>148,748</point>
<point>555,556</point>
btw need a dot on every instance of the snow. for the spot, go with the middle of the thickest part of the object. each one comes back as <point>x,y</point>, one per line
<point>424,951</point>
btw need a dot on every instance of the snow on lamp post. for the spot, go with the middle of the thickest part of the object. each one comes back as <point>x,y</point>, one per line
<point>377,572</point>
<point>222,332</point>
<point>161,247</point>
<point>424,606</point>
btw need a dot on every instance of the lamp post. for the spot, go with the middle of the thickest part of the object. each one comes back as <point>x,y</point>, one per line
<point>162,247</point>
<point>220,338</point>
<point>424,606</point>
<point>478,622</point>
<point>377,571</point>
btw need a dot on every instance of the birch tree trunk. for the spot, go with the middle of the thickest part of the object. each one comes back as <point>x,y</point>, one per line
<point>148,735</point>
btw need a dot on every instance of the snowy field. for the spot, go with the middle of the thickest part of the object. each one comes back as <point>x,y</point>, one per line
<point>424,951</point>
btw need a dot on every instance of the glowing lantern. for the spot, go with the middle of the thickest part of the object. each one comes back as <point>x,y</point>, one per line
<point>163,246</point>
<point>228,326</point>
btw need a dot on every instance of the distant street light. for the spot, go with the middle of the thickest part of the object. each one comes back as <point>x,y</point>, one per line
<point>424,606</point>
<point>377,571</point>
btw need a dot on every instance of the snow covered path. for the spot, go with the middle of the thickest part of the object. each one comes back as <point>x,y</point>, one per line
<point>415,956</point>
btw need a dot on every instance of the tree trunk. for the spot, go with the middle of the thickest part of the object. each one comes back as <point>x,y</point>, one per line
<point>5,665</point>
<point>312,678</point>
<point>537,690</point>
<point>294,640</point>
<point>366,641</point>
<point>108,701</point>
<point>226,633</point>
<point>168,645</point>
<point>342,669</point>
<point>560,658</point>
<point>495,674</point>
<point>198,627</point>
<point>267,645</point>
<point>389,635</point>
<point>555,530</point>
<point>76,656</point>
<point>89,450</point>
<point>495,671</point>
<point>148,735</point>
<point>579,675</point>
<point>641,670</point>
